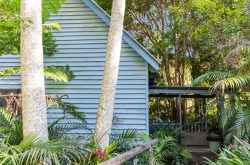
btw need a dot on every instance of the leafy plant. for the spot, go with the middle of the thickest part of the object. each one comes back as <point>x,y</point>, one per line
<point>126,140</point>
<point>235,120</point>
<point>10,128</point>
<point>34,151</point>
<point>234,154</point>
<point>10,37</point>
<point>97,155</point>
<point>167,151</point>
<point>11,124</point>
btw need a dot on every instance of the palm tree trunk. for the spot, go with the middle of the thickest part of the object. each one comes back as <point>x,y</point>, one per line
<point>110,77</point>
<point>34,110</point>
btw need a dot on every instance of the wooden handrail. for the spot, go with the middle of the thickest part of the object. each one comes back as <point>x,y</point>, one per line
<point>131,154</point>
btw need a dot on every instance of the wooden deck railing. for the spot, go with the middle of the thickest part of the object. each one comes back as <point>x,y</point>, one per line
<point>195,127</point>
<point>132,153</point>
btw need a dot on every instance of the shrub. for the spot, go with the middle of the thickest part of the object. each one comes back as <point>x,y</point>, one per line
<point>234,154</point>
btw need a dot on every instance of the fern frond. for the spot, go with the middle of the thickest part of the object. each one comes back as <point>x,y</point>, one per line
<point>232,82</point>
<point>56,73</point>
<point>69,108</point>
<point>212,76</point>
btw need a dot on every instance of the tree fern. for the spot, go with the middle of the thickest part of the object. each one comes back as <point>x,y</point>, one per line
<point>212,76</point>
<point>232,82</point>
<point>56,73</point>
<point>224,80</point>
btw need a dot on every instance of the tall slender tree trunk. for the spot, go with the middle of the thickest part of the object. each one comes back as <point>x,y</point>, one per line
<point>110,77</point>
<point>167,67</point>
<point>34,110</point>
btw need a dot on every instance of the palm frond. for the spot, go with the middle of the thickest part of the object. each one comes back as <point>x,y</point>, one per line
<point>235,120</point>
<point>212,76</point>
<point>57,130</point>
<point>240,127</point>
<point>126,140</point>
<point>57,73</point>
<point>34,151</point>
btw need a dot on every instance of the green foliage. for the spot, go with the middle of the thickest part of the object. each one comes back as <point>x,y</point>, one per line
<point>167,151</point>
<point>61,126</point>
<point>10,36</point>
<point>96,155</point>
<point>51,7</point>
<point>10,128</point>
<point>11,125</point>
<point>68,108</point>
<point>6,121</point>
<point>126,140</point>
<point>239,77</point>
<point>235,120</point>
<point>58,129</point>
<point>34,151</point>
<point>212,76</point>
<point>49,46</point>
<point>30,150</point>
<point>224,80</point>
<point>10,25</point>
<point>57,73</point>
<point>234,154</point>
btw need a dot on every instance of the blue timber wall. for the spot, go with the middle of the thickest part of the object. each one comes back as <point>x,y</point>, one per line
<point>82,45</point>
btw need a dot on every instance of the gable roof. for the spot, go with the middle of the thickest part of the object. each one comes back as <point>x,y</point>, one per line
<point>149,58</point>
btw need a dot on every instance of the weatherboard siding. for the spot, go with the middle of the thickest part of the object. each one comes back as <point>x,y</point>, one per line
<point>82,45</point>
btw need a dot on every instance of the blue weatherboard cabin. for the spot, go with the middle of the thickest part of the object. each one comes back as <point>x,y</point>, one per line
<point>81,44</point>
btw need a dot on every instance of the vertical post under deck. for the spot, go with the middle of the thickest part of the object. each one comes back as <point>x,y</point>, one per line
<point>205,113</point>
<point>180,114</point>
